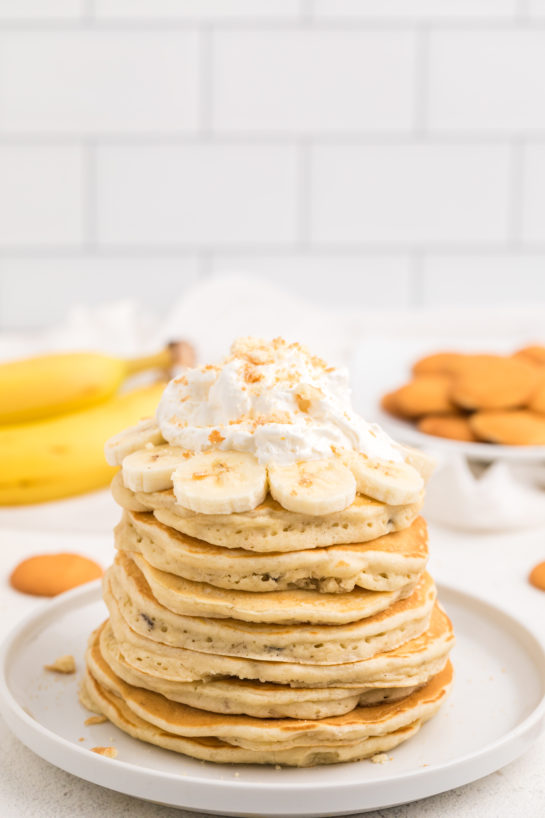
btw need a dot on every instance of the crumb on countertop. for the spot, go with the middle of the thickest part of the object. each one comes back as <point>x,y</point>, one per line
<point>109,752</point>
<point>95,720</point>
<point>64,664</point>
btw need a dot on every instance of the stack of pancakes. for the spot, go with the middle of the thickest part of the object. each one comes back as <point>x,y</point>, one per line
<point>269,636</point>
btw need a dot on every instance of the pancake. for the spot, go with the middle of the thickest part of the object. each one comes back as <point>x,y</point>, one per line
<point>189,598</point>
<point>262,736</point>
<point>232,695</point>
<point>99,700</point>
<point>385,564</point>
<point>269,527</point>
<point>413,662</point>
<point>126,590</point>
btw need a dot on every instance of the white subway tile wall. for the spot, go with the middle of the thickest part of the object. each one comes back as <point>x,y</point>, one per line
<point>196,195</point>
<point>313,82</point>
<point>99,82</point>
<point>210,10</point>
<point>381,153</point>
<point>41,10</point>
<point>409,195</point>
<point>533,214</point>
<point>373,281</point>
<point>488,81</point>
<point>42,196</point>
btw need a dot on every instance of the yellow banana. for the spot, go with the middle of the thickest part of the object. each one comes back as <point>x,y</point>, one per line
<point>62,456</point>
<point>56,489</point>
<point>47,385</point>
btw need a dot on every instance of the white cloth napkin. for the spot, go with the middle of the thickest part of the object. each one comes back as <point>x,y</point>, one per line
<point>492,497</point>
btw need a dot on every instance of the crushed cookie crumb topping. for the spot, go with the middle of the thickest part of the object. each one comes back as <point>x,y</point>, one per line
<point>259,387</point>
<point>251,374</point>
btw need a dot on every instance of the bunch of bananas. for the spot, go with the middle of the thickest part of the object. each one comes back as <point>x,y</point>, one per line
<point>56,413</point>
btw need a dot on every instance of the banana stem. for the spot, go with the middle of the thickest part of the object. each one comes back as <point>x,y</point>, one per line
<point>177,353</point>
<point>160,360</point>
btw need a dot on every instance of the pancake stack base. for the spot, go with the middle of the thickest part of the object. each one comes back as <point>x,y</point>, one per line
<point>294,657</point>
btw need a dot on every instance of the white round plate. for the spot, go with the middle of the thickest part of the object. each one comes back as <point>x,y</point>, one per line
<point>494,713</point>
<point>406,432</point>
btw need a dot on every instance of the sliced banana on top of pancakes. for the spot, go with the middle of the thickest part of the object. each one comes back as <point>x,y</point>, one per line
<point>389,482</point>
<point>220,482</point>
<point>130,440</point>
<point>224,482</point>
<point>151,469</point>
<point>313,486</point>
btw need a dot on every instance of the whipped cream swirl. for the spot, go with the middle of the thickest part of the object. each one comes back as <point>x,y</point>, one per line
<point>275,400</point>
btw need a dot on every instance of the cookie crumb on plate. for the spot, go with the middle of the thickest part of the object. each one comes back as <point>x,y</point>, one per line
<point>109,752</point>
<point>95,720</point>
<point>64,664</point>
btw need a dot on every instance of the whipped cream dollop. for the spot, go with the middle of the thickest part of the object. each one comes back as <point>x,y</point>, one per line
<point>275,400</point>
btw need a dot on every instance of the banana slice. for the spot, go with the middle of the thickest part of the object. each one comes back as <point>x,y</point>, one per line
<point>392,483</point>
<point>220,482</point>
<point>313,486</point>
<point>131,439</point>
<point>150,469</point>
<point>419,460</point>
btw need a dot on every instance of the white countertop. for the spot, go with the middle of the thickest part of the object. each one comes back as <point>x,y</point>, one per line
<point>494,566</point>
